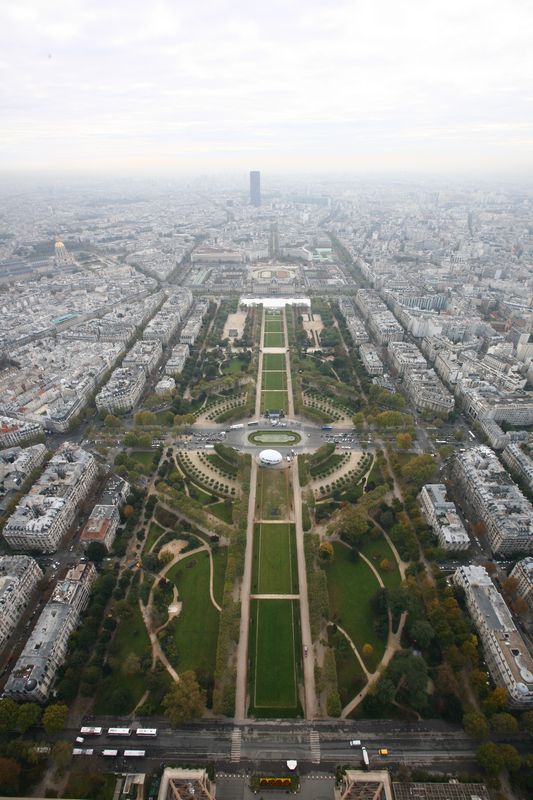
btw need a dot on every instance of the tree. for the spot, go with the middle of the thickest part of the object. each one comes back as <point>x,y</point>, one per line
<point>111,421</point>
<point>385,565</point>
<point>497,700</point>
<point>503,723</point>
<point>527,721</point>
<point>185,700</point>
<point>520,606</point>
<point>419,470</point>
<point>422,633</point>
<point>54,717</point>
<point>8,715</point>
<point>127,511</point>
<point>334,706</point>
<point>28,715</point>
<point>96,552</point>
<point>165,557</point>
<point>326,551</point>
<point>510,757</point>
<point>9,774</point>
<point>475,725</point>
<point>61,754</point>
<point>510,585</point>
<point>404,441</point>
<point>368,650</point>
<point>489,758</point>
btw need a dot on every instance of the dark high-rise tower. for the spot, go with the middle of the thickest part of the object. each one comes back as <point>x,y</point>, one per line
<point>255,188</point>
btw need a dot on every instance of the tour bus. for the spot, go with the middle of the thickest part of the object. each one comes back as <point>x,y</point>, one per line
<point>253,422</point>
<point>134,753</point>
<point>146,732</point>
<point>90,731</point>
<point>119,732</point>
<point>326,427</point>
<point>237,426</point>
<point>209,446</point>
<point>110,753</point>
<point>366,760</point>
<point>78,751</point>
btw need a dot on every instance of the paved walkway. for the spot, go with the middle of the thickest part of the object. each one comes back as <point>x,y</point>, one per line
<point>290,398</point>
<point>274,597</point>
<point>246,587</point>
<point>307,642</point>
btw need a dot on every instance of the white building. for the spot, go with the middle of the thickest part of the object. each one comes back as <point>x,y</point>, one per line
<point>17,463</point>
<point>497,500</point>
<point>519,463</point>
<point>34,673</point>
<point>177,359</point>
<point>122,391</point>
<point>508,658</point>
<point>19,576</point>
<point>45,514</point>
<point>442,515</point>
<point>145,354</point>
<point>15,431</point>
<point>427,392</point>
<point>523,572</point>
<point>404,356</point>
<point>371,360</point>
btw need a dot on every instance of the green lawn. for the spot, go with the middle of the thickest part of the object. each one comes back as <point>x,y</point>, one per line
<point>273,326</point>
<point>275,569</point>
<point>222,511</point>
<point>274,637</point>
<point>274,380</point>
<point>377,550</point>
<point>351,585</point>
<point>274,340</point>
<point>144,457</point>
<point>153,535</point>
<point>273,362</point>
<point>350,676</point>
<point>274,436</point>
<point>232,366</point>
<point>272,494</point>
<point>196,628</point>
<point>220,557</point>
<point>272,400</point>
<point>130,637</point>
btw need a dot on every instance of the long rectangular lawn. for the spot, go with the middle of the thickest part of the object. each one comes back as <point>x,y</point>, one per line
<point>274,380</point>
<point>273,361</point>
<point>275,569</point>
<point>274,400</point>
<point>272,651</point>
<point>274,339</point>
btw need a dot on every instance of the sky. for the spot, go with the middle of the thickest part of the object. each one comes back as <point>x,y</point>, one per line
<point>365,86</point>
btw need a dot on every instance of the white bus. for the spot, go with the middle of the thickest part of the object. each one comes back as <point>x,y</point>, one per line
<point>254,422</point>
<point>110,753</point>
<point>78,751</point>
<point>236,427</point>
<point>119,732</point>
<point>366,760</point>
<point>90,731</point>
<point>134,753</point>
<point>146,731</point>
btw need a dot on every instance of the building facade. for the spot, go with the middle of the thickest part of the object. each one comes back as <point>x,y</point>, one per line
<point>19,576</point>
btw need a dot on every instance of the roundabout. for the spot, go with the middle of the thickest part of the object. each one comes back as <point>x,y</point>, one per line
<point>274,437</point>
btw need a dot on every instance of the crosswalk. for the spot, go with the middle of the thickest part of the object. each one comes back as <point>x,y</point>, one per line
<point>236,737</point>
<point>314,741</point>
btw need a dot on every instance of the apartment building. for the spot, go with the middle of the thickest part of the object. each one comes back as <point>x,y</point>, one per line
<point>177,359</point>
<point>101,527</point>
<point>17,463</point>
<point>122,391</point>
<point>34,673</point>
<point>371,360</point>
<point>523,572</point>
<point>405,356</point>
<point>45,514</point>
<point>145,354</point>
<point>508,658</point>
<point>427,392</point>
<point>15,431</point>
<point>19,576</point>
<point>442,515</point>
<point>519,462</point>
<point>497,500</point>
<point>192,327</point>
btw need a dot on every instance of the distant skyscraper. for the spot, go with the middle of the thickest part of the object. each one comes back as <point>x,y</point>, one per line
<point>255,188</point>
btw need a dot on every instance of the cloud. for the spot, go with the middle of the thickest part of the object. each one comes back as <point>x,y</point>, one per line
<point>341,80</point>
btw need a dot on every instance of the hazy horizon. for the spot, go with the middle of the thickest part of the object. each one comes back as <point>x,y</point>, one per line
<point>356,88</point>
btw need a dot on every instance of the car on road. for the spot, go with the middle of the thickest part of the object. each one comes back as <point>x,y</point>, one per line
<point>383,751</point>
<point>355,742</point>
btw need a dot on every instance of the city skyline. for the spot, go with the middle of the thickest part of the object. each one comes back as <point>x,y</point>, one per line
<point>431,88</point>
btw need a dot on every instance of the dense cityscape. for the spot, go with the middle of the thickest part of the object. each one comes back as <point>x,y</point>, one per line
<point>265,489</point>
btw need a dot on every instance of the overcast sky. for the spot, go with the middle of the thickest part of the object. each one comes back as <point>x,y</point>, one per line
<point>281,86</point>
